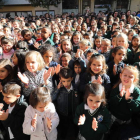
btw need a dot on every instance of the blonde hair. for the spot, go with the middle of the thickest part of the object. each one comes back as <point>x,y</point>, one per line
<point>98,57</point>
<point>124,36</point>
<point>41,63</point>
<point>85,42</point>
<point>134,70</point>
<point>107,41</point>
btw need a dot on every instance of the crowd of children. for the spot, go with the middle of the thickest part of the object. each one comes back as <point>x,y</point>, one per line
<point>70,78</point>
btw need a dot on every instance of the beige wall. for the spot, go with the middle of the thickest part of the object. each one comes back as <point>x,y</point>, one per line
<point>92,6</point>
<point>58,10</point>
<point>135,5</point>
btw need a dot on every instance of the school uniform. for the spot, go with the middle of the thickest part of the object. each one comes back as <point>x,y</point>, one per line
<point>47,41</point>
<point>120,107</point>
<point>41,132</point>
<point>13,123</point>
<point>114,78</point>
<point>102,116</point>
<point>88,78</point>
<point>122,112</point>
<point>66,101</point>
<point>31,44</point>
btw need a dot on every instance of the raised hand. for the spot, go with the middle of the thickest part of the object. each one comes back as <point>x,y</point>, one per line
<point>49,123</point>
<point>122,91</point>
<point>127,95</point>
<point>82,119</point>
<point>94,124</point>
<point>78,53</point>
<point>23,78</point>
<point>4,115</point>
<point>47,74</point>
<point>36,45</point>
<point>59,85</point>
<point>57,68</point>
<point>1,106</point>
<point>34,121</point>
<point>99,80</point>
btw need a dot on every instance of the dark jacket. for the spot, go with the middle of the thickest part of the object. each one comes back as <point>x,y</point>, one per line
<point>61,100</point>
<point>31,45</point>
<point>15,120</point>
<point>86,78</point>
<point>114,78</point>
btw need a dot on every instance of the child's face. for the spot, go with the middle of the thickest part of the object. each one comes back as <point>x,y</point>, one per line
<point>66,46</point>
<point>87,37</point>
<point>120,54</point>
<point>76,39</point>
<point>98,43</point>
<point>65,61</point>
<point>135,42</point>
<point>15,25</point>
<point>66,82</point>
<point>77,69</point>
<point>127,77</point>
<point>121,42</point>
<point>10,99</point>
<point>82,47</point>
<point>132,21</point>
<point>38,34</point>
<point>105,46</point>
<point>7,47</point>
<point>28,36</point>
<point>31,63</point>
<point>6,31</point>
<point>78,28</point>
<point>130,36</point>
<point>19,36</point>
<point>45,33</point>
<point>3,73</point>
<point>89,56</point>
<point>15,59</point>
<point>94,102</point>
<point>114,42</point>
<point>41,107</point>
<point>48,57</point>
<point>56,38</point>
<point>99,34</point>
<point>96,66</point>
<point>83,27</point>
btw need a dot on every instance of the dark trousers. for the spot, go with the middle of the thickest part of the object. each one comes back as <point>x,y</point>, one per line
<point>66,127</point>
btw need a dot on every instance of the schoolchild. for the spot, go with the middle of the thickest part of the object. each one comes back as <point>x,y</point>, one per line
<point>13,117</point>
<point>41,118</point>
<point>92,116</point>
<point>66,99</point>
<point>35,73</point>
<point>115,66</point>
<point>124,103</point>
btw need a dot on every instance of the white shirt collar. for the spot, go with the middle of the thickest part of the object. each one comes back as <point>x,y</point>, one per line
<point>77,78</point>
<point>131,89</point>
<point>87,108</point>
<point>71,88</point>
<point>43,42</point>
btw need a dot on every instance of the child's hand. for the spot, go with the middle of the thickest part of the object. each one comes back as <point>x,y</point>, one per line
<point>77,55</point>
<point>1,87</point>
<point>1,106</point>
<point>47,74</point>
<point>36,45</point>
<point>122,91</point>
<point>82,119</point>
<point>34,121</point>
<point>60,85</point>
<point>114,70</point>
<point>94,124</point>
<point>127,95</point>
<point>99,80</point>
<point>57,68</point>
<point>49,123</point>
<point>53,71</point>
<point>4,115</point>
<point>23,78</point>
